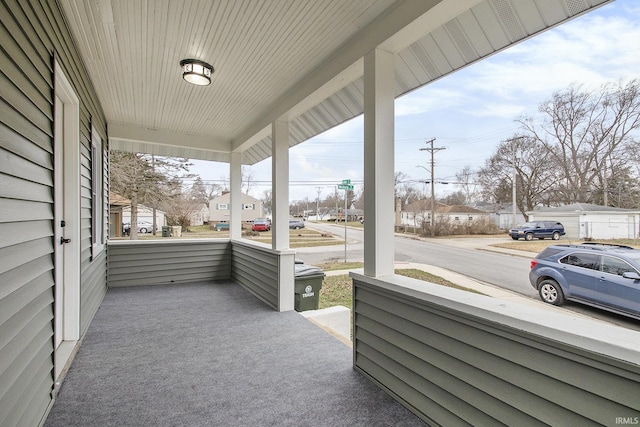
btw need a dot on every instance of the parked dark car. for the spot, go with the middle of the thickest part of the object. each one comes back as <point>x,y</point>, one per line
<point>221,226</point>
<point>261,224</point>
<point>296,224</point>
<point>538,230</point>
<point>596,274</point>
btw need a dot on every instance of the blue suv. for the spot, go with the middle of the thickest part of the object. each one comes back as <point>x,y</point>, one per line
<point>539,230</point>
<point>596,274</point>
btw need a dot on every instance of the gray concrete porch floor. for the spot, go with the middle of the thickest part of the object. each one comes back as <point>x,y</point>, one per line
<point>211,354</point>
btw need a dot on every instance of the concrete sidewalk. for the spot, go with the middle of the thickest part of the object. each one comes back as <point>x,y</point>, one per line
<point>337,320</point>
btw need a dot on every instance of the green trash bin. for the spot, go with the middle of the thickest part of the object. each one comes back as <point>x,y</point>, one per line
<point>166,231</point>
<point>307,287</point>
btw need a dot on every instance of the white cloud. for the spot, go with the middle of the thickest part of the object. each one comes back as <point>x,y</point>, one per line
<point>425,101</point>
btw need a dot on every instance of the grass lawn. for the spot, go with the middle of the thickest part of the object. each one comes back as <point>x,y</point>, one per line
<point>297,238</point>
<point>337,290</point>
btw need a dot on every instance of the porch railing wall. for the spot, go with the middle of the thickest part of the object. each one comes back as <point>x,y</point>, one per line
<point>257,269</point>
<point>455,358</point>
<point>159,262</point>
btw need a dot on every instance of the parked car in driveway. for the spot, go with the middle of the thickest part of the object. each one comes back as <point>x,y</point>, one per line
<point>538,230</point>
<point>600,275</point>
<point>261,224</point>
<point>220,226</point>
<point>296,224</point>
<point>143,227</point>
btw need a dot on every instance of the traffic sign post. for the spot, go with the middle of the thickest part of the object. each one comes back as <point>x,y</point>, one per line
<point>346,186</point>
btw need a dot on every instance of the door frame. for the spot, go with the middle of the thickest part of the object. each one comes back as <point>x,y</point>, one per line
<point>66,208</point>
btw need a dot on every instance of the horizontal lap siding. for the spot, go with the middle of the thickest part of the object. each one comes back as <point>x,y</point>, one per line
<point>256,270</point>
<point>454,369</point>
<point>32,32</point>
<point>159,263</point>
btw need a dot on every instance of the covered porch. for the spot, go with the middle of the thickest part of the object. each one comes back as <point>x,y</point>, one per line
<point>210,353</point>
<point>212,348</point>
<point>453,359</point>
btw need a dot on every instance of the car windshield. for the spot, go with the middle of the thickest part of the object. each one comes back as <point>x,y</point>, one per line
<point>528,225</point>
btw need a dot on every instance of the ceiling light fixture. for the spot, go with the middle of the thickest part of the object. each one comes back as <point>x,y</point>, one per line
<point>196,72</point>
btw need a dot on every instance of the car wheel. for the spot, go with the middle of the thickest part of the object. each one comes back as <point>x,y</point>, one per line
<point>555,236</point>
<point>550,292</point>
<point>143,230</point>
<point>515,238</point>
<point>297,227</point>
<point>528,237</point>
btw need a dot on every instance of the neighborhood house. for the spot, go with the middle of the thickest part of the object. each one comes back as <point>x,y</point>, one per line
<point>219,208</point>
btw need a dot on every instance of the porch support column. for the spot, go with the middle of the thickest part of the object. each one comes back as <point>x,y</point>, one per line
<point>280,212</point>
<point>235,194</point>
<point>378,163</point>
<point>280,184</point>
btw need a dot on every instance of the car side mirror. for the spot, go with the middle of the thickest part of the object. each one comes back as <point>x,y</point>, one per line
<point>631,275</point>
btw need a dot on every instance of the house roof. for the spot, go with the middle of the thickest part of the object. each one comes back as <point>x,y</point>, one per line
<point>581,207</point>
<point>118,200</point>
<point>226,198</point>
<point>299,61</point>
<point>463,209</point>
<point>423,206</point>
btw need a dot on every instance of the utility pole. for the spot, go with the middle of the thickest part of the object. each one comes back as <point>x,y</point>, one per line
<point>318,205</point>
<point>432,150</point>
<point>514,178</point>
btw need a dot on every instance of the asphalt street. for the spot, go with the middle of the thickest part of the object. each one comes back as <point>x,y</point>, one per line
<point>463,256</point>
<point>471,257</point>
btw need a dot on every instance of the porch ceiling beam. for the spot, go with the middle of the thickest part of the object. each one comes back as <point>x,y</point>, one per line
<point>160,137</point>
<point>405,23</point>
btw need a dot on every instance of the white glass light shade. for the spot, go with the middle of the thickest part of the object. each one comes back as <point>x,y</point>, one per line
<point>196,72</point>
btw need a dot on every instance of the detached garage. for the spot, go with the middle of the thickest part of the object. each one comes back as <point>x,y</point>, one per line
<point>588,221</point>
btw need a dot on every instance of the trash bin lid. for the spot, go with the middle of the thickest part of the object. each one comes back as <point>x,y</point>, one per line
<point>304,270</point>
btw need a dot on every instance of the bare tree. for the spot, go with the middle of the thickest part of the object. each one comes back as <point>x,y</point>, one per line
<point>584,134</point>
<point>267,201</point>
<point>181,208</point>
<point>575,151</point>
<point>145,180</point>
<point>468,184</point>
<point>199,191</point>
<point>405,189</point>
<point>213,191</point>
<point>535,173</point>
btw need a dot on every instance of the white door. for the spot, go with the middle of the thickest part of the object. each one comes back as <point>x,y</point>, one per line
<point>66,221</point>
<point>59,221</point>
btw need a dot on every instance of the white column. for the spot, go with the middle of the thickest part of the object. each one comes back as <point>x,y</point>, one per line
<point>235,205</point>
<point>280,185</point>
<point>378,163</point>
<point>280,211</point>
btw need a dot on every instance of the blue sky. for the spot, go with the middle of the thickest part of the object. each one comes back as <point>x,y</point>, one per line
<point>468,112</point>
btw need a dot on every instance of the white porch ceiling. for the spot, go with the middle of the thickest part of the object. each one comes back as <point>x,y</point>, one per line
<point>300,60</point>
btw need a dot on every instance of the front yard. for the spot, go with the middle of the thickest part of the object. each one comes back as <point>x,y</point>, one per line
<point>538,245</point>
<point>298,238</point>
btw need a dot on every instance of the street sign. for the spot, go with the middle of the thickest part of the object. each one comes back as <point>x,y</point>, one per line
<point>346,181</point>
<point>345,187</point>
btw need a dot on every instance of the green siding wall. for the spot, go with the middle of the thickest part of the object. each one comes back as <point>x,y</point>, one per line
<point>33,32</point>
<point>158,262</point>
<point>466,363</point>
<point>256,269</point>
